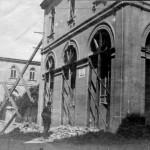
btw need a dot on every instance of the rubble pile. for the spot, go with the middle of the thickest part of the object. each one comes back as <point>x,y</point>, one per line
<point>62,132</point>
<point>55,133</point>
<point>27,127</point>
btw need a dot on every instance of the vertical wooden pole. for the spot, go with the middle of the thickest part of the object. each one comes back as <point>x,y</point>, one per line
<point>99,74</point>
<point>89,96</point>
<point>62,102</point>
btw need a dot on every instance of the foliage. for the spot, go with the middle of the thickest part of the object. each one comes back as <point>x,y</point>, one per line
<point>24,103</point>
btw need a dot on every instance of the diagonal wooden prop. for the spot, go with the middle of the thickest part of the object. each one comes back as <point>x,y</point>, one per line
<point>16,83</point>
<point>11,99</point>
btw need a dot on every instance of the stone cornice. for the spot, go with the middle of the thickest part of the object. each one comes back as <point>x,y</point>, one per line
<point>46,3</point>
<point>93,20</point>
<point>19,61</point>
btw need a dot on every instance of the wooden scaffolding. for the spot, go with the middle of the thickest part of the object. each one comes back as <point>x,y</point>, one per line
<point>9,93</point>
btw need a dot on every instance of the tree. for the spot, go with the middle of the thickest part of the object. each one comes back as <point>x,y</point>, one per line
<point>24,102</point>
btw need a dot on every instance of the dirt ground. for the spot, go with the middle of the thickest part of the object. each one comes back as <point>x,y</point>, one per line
<point>12,144</point>
<point>132,134</point>
<point>16,140</point>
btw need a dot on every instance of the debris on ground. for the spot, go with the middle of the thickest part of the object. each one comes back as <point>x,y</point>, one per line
<point>133,128</point>
<point>27,127</point>
<point>62,132</point>
<point>32,130</point>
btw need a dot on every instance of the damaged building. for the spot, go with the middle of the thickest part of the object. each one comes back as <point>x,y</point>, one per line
<point>9,72</point>
<point>95,61</point>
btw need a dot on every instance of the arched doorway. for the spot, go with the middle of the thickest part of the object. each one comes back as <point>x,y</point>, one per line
<point>49,78</point>
<point>147,81</point>
<point>100,79</point>
<point>69,85</point>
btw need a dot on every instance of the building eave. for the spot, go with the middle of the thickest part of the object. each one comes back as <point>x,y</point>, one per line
<point>21,61</point>
<point>49,3</point>
<point>46,3</point>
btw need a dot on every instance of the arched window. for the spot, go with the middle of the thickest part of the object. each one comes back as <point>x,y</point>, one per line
<point>13,72</point>
<point>32,74</point>
<point>49,78</point>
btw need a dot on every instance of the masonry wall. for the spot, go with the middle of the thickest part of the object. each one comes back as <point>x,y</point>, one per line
<point>127,24</point>
<point>5,77</point>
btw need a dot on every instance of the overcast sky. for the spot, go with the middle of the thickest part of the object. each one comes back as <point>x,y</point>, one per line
<point>19,19</point>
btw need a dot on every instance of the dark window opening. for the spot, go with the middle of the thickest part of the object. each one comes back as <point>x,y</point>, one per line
<point>13,72</point>
<point>70,56</point>
<point>32,74</point>
<point>52,21</point>
<point>101,42</point>
<point>147,44</point>
<point>72,12</point>
<point>101,39</point>
<point>49,77</point>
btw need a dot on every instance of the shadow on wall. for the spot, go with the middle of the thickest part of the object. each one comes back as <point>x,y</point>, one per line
<point>133,126</point>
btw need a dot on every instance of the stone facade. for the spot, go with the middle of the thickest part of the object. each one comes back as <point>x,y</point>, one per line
<point>84,29</point>
<point>9,73</point>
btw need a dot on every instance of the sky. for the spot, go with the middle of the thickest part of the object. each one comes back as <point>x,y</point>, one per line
<point>19,20</point>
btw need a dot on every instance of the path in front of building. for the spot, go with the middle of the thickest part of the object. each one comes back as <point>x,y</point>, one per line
<point>10,144</point>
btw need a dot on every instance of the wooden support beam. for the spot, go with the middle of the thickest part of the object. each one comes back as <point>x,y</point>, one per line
<point>7,125</point>
<point>22,73</point>
<point>89,97</point>
<point>98,109</point>
<point>16,83</point>
<point>99,77</point>
<point>11,100</point>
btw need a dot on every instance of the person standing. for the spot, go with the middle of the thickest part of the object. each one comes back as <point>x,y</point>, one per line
<point>46,116</point>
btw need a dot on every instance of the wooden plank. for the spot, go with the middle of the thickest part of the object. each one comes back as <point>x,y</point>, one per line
<point>12,118</point>
<point>98,109</point>
<point>92,114</point>
<point>69,116</point>
<point>98,77</point>
<point>11,100</point>
<point>89,97</point>
<point>94,88</point>
<point>22,73</point>
<point>68,85</point>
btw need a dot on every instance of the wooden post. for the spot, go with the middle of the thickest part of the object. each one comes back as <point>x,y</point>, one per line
<point>11,100</point>
<point>99,74</point>
<point>89,96</point>
<point>12,118</point>
<point>62,102</point>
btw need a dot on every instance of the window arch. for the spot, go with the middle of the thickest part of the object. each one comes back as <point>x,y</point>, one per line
<point>13,72</point>
<point>107,34</point>
<point>50,64</point>
<point>49,78</point>
<point>32,74</point>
